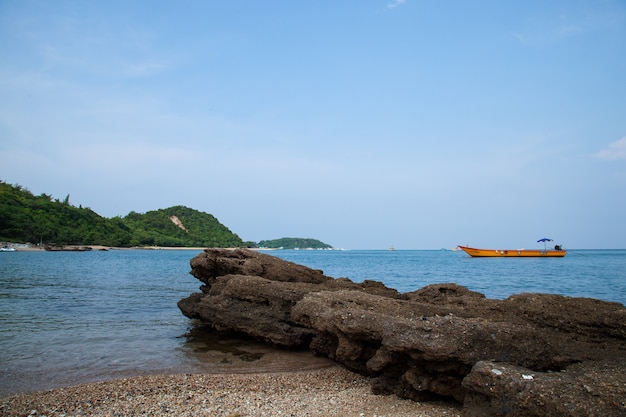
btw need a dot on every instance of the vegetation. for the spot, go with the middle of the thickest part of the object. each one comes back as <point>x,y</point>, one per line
<point>293,243</point>
<point>25,217</point>
<point>195,229</point>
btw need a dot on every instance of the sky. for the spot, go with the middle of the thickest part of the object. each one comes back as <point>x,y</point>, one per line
<point>362,123</point>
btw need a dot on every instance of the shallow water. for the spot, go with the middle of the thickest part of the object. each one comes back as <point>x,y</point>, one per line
<point>73,317</point>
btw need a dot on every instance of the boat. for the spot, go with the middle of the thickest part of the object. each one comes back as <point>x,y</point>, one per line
<point>6,248</point>
<point>557,252</point>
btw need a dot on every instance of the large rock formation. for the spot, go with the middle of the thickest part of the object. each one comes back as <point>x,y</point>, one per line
<point>528,355</point>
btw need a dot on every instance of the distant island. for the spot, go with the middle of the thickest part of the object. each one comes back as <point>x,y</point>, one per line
<point>42,220</point>
<point>293,243</point>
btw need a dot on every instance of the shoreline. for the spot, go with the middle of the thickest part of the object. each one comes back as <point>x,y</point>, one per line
<point>22,247</point>
<point>70,248</point>
<point>332,391</point>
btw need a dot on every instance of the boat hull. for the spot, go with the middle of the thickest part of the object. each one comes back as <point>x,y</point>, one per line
<point>513,253</point>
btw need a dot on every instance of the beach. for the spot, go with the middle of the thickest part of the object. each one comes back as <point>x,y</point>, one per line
<point>331,391</point>
<point>125,337</point>
<point>112,316</point>
<point>34,248</point>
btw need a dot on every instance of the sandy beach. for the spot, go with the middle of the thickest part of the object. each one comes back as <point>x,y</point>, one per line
<point>325,392</point>
<point>27,248</point>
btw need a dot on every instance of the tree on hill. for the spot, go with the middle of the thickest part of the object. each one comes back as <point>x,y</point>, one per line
<point>198,229</point>
<point>25,217</point>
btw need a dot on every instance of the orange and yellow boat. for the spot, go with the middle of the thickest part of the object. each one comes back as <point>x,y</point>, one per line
<point>557,252</point>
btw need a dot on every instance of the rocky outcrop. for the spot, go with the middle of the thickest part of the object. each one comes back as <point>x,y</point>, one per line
<point>589,388</point>
<point>515,357</point>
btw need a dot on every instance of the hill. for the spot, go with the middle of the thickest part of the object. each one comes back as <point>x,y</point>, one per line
<point>181,226</point>
<point>25,217</point>
<point>293,243</point>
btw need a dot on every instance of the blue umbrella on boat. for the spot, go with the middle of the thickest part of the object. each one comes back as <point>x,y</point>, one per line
<point>545,240</point>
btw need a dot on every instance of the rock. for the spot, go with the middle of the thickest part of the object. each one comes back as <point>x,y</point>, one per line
<point>433,343</point>
<point>214,263</point>
<point>253,293</point>
<point>591,388</point>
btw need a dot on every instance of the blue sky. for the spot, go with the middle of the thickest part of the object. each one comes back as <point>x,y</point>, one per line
<point>365,124</point>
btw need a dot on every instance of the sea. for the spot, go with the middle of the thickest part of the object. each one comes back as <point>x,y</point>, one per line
<point>68,318</point>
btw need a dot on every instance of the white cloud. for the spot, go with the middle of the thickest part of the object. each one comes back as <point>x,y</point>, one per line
<point>395,4</point>
<point>615,150</point>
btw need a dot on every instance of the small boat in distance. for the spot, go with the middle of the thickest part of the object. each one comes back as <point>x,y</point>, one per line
<point>557,252</point>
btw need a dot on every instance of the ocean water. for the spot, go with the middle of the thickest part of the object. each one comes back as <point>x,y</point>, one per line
<point>597,274</point>
<point>74,317</point>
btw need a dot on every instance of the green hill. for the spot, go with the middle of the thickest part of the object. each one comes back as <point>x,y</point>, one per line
<point>25,217</point>
<point>181,226</point>
<point>293,243</point>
